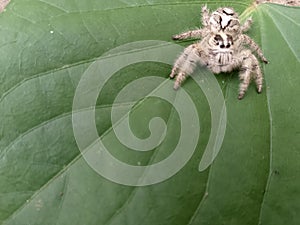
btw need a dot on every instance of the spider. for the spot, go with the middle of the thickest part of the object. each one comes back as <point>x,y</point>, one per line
<point>222,49</point>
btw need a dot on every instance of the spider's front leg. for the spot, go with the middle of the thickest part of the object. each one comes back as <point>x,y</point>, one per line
<point>189,34</point>
<point>199,33</point>
<point>185,64</point>
<point>249,65</point>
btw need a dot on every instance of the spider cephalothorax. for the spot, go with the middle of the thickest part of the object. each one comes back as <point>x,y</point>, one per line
<point>222,49</point>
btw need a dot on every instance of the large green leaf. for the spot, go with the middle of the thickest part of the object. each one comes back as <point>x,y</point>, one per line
<point>47,47</point>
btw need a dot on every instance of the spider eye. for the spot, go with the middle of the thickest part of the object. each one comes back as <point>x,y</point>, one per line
<point>218,39</point>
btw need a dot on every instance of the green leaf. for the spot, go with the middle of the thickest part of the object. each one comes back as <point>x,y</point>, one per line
<point>47,47</point>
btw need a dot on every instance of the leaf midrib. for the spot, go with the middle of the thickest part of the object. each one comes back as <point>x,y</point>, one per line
<point>268,181</point>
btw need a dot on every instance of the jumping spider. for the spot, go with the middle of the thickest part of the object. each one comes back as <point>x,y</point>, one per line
<point>222,49</point>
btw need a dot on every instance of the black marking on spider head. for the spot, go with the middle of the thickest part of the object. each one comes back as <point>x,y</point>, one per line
<point>224,18</point>
<point>228,11</point>
<point>223,43</point>
<point>218,38</point>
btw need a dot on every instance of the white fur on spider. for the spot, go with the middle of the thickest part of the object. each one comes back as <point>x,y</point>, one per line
<point>221,49</point>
